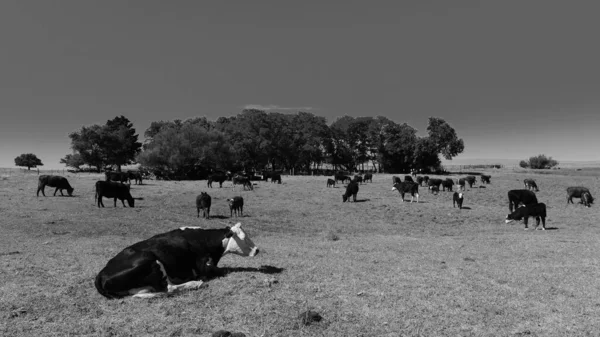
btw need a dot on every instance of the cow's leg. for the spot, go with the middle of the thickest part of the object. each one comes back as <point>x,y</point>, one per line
<point>56,190</point>
<point>525,221</point>
<point>123,202</point>
<point>116,202</point>
<point>100,202</point>
<point>40,188</point>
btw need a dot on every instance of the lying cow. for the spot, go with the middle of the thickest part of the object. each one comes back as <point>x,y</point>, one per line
<point>578,192</point>
<point>351,190</point>
<point>485,179</point>
<point>534,210</point>
<point>368,177</point>
<point>530,185</point>
<point>457,199</point>
<point>216,177</point>
<point>447,185</point>
<point>470,180</point>
<point>203,202</point>
<point>407,187</point>
<point>170,262</point>
<point>516,197</point>
<point>61,183</point>
<point>236,205</point>
<point>330,182</point>
<point>111,189</point>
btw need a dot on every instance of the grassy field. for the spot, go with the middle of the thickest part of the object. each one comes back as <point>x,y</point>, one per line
<point>377,267</point>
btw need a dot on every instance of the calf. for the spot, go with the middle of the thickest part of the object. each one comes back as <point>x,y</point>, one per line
<point>407,187</point>
<point>447,184</point>
<point>203,202</point>
<point>276,177</point>
<point>351,190</point>
<point>216,177</point>
<point>136,176</point>
<point>236,205</point>
<point>358,179</point>
<point>330,183</point>
<point>457,199</point>
<point>409,178</point>
<point>516,197</point>
<point>368,177</point>
<point>485,179</point>
<point>461,184</point>
<point>111,189</point>
<point>530,185</point>
<point>61,183</point>
<point>470,180</point>
<point>172,261</point>
<point>577,192</point>
<point>533,210</point>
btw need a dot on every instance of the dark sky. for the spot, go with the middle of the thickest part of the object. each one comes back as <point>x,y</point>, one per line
<point>514,78</point>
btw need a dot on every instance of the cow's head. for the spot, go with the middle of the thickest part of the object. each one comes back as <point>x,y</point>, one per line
<point>516,215</point>
<point>238,242</point>
<point>344,198</point>
<point>70,191</point>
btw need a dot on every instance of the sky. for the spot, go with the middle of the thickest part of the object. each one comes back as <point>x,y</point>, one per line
<point>514,78</point>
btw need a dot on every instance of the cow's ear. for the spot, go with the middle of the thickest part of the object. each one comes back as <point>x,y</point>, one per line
<point>229,232</point>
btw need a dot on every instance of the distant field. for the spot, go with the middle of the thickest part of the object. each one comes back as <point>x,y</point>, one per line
<point>377,267</point>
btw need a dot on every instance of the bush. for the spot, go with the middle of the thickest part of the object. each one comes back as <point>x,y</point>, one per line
<point>539,162</point>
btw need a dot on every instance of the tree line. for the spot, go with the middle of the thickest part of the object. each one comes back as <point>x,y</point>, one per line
<point>256,140</point>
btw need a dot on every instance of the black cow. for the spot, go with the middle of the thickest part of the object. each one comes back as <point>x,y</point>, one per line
<point>276,177</point>
<point>61,183</point>
<point>457,199</point>
<point>341,178</point>
<point>447,184</point>
<point>111,189</point>
<point>516,197</point>
<point>368,177</point>
<point>136,176</point>
<point>330,183</point>
<point>218,177</point>
<point>407,187</point>
<point>245,182</point>
<point>409,178</point>
<point>531,185</point>
<point>420,180</point>
<point>577,192</point>
<point>461,184</point>
<point>203,202</point>
<point>121,177</point>
<point>358,179</point>
<point>586,199</point>
<point>172,261</point>
<point>470,180</point>
<point>351,190</point>
<point>426,179</point>
<point>534,210</point>
<point>485,179</point>
<point>236,205</point>
<point>434,182</point>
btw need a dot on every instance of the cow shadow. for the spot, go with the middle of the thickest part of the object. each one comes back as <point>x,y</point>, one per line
<point>551,228</point>
<point>264,269</point>
<point>219,217</point>
<point>467,208</point>
<point>362,200</point>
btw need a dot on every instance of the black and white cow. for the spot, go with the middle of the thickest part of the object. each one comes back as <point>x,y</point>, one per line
<point>457,199</point>
<point>531,185</point>
<point>236,206</point>
<point>407,187</point>
<point>516,197</point>
<point>203,202</point>
<point>447,185</point>
<point>587,199</point>
<point>485,179</point>
<point>170,262</point>
<point>330,182</point>
<point>61,183</point>
<point>351,190</point>
<point>368,177</point>
<point>111,189</point>
<point>579,192</point>
<point>538,211</point>
<point>471,180</point>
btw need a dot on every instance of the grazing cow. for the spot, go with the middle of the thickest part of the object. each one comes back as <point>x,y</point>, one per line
<point>586,199</point>
<point>358,179</point>
<point>530,185</point>
<point>136,176</point>
<point>341,178</point>
<point>516,197</point>
<point>447,184</point>
<point>396,180</point>
<point>368,177</point>
<point>426,179</point>
<point>111,189</point>
<point>485,179</point>
<point>121,177</point>
<point>457,199</point>
<point>461,184</point>
<point>434,189</point>
<point>409,178</point>
<point>420,180</point>
<point>407,187</point>
<point>534,210</point>
<point>61,183</point>
<point>330,183</point>
<point>236,205</point>
<point>203,202</point>
<point>434,182</point>
<point>216,177</point>
<point>172,261</point>
<point>245,182</point>
<point>276,177</point>
<point>351,190</point>
<point>470,180</point>
<point>577,192</point>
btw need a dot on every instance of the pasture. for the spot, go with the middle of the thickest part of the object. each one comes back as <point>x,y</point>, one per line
<point>377,267</point>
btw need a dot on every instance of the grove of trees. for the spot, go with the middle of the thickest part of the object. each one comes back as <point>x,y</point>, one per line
<point>28,160</point>
<point>538,162</point>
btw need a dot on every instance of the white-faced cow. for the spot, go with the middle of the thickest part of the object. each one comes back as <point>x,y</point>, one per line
<point>170,262</point>
<point>351,190</point>
<point>538,211</point>
<point>407,187</point>
<point>531,185</point>
<point>61,183</point>
<point>236,206</point>
<point>579,192</point>
<point>516,197</point>
<point>111,189</point>
<point>457,199</point>
<point>203,202</point>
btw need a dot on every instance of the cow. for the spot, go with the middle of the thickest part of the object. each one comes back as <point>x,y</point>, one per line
<point>434,182</point>
<point>461,184</point>
<point>236,205</point>
<point>434,189</point>
<point>111,189</point>
<point>121,177</point>
<point>516,197</point>
<point>531,185</point>
<point>330,183</point>
<point>368,177</point>
<point>409,178</point>
<point>240,180</point>
<point>407,187</point>
<point>276,177</point>
<point>470,180</point>
<point>420,180</point>
<point>136,176</point>
<point>586,199</point>
<point>341,177</point>
<point>426,179</point>
<point>457,199</point>
<point>533,210</point>
<point>61,183</point>
<point>485,179</point>
<point>358,179</point>
<point>203,202</point>
<point>351,190</point>
<point>218,177</point>
<point>171,262</point>
<point>577,192</point>
<point>447,184</point>
<point>396,180</point>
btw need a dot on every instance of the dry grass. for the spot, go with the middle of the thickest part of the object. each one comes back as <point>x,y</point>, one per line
<point>378,267</point>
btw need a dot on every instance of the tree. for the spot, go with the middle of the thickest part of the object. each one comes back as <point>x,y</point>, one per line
<point>73,160</point>
<point>443,138</point>
<point>539,162</point>
<point>28,160</point>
